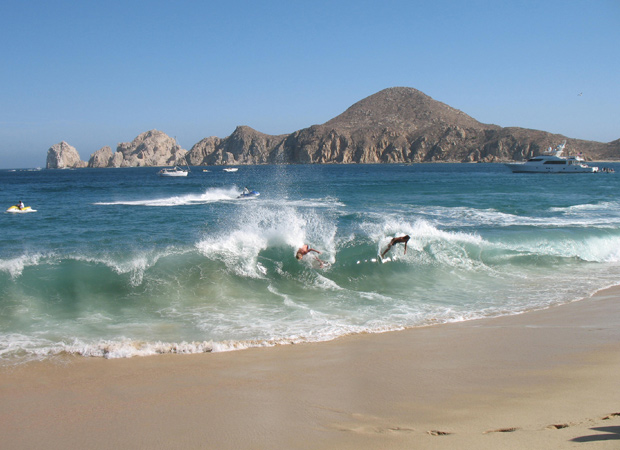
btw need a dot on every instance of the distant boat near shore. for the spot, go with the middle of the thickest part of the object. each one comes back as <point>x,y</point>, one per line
<point>552,162</point>
<point>176,171</point>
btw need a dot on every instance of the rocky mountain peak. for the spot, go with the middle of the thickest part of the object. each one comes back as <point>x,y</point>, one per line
<point>401,109</point>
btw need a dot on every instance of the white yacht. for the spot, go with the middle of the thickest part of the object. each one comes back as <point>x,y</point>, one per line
<point>552,162</point>
<point>176,171</point>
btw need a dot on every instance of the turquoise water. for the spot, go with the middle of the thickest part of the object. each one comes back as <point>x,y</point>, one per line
<point>121,262</point>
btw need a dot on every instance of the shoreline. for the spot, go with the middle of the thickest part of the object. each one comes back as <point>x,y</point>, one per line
<point>541,379</point>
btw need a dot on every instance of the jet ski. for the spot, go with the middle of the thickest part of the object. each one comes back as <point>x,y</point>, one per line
<point>249,194</point>
<point>25,209</point>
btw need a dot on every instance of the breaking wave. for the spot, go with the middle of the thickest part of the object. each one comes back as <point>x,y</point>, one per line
<point>178,267</point>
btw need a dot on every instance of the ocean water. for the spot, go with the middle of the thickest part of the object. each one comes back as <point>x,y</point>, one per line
<point>121,262</point>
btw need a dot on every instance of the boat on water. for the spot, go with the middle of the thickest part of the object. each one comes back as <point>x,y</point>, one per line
<point>17,210</point>
<point>552,161</point>
<point>249,194</point>
<point>231,169</point>
<point>176,171</point>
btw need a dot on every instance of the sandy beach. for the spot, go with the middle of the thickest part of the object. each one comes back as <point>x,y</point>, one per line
<point>539,380</point>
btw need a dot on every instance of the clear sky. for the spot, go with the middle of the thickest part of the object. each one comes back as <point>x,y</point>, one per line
<point>96,73</point>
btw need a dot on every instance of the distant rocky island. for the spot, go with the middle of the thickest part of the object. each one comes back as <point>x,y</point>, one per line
<point>395,125</point>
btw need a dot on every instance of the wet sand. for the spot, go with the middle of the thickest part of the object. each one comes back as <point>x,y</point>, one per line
<point>544,379</point>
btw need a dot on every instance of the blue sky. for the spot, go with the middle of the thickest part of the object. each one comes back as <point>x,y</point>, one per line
<point>99,73</point>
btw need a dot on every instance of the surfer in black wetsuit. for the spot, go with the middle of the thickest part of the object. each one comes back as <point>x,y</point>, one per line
<point>397,240</point>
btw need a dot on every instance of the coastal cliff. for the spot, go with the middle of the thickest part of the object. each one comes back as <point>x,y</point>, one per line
<point>244,146</point>
<point>395,125</point>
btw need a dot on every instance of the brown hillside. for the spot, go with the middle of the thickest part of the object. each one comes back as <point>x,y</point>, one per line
<point>401,109</point>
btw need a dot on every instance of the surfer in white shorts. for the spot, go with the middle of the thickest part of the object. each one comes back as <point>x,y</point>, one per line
<point>397,240</point>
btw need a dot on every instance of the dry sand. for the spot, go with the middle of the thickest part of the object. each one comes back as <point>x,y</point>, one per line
<point>541,380</point>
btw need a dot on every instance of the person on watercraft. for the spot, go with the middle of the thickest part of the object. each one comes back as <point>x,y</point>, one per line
<point>304,250</point>
<point>397,240</point>
<point>20,205</point>
<point>246,191</point>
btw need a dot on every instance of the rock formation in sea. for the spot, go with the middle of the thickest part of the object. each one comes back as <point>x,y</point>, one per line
<point>63,156</point>
<point>395,125</point>
<point>152,148</point>
<point>101,158</point>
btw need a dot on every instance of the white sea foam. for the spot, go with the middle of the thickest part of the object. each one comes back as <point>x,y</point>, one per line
<point>604,206</point>
<point>257,228</point>
<point>123,348</point>
<point>467,217</point>
<point>18,344</point>
<point>209,196</point>
<point>15,266</point>
<point>578,216</point>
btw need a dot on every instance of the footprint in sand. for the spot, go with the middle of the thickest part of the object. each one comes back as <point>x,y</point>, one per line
<point>557,426</point>
<point>502,430</point>
<point>438,433</point>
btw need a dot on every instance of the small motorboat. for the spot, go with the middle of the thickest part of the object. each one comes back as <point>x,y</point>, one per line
<point>18,210</point>
<point>231,169</point>
<point>176,171</point>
